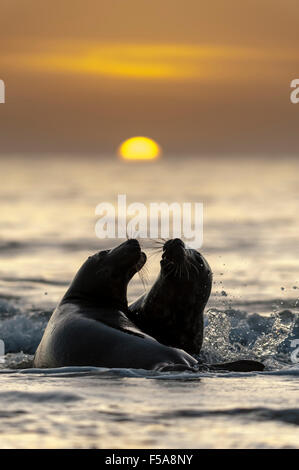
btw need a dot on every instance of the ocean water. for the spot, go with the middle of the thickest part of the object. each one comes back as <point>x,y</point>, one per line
<point>47,229</point>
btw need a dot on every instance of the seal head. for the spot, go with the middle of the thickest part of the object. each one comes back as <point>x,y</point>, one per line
<point>104,277</point>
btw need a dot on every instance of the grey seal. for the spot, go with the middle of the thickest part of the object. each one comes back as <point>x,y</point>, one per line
<point>90,326</point>
<point>173,310</point>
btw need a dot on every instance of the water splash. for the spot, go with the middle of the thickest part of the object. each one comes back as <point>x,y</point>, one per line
<point>233,334</point>
<point>18,360</point>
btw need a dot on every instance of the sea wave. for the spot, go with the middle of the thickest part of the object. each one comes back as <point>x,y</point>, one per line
<point>22,332</point>
<point>285,415</point>
<point>230,334</point>
<point>38,397</point>
<point>16,362</point>
<point>15,247</point>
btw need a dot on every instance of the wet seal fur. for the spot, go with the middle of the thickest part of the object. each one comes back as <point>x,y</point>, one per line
<point>90,326</point>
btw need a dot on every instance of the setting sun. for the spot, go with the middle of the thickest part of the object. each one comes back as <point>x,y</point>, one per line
<point>139,148</point>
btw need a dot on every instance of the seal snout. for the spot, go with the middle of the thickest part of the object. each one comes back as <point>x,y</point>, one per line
<point>134,253</point>
<point>176,242</point>
<point>132,242</point>
<point>132,246</point>
<point>173,251</point>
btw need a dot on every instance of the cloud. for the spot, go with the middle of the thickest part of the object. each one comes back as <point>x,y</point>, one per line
<point>147,61</point>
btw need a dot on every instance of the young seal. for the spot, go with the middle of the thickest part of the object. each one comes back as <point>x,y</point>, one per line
<point>172,311</point>
<point>90,327</point>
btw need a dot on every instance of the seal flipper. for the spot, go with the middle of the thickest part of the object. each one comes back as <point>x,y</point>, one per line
<point>238,366</point>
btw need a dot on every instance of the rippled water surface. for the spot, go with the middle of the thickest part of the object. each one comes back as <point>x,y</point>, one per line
<point>251,242</point>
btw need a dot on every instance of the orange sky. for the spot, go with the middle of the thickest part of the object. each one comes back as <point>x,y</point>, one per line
<point>199,77</point>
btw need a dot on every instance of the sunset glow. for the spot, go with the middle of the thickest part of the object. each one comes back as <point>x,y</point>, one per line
<point>161,61</point>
